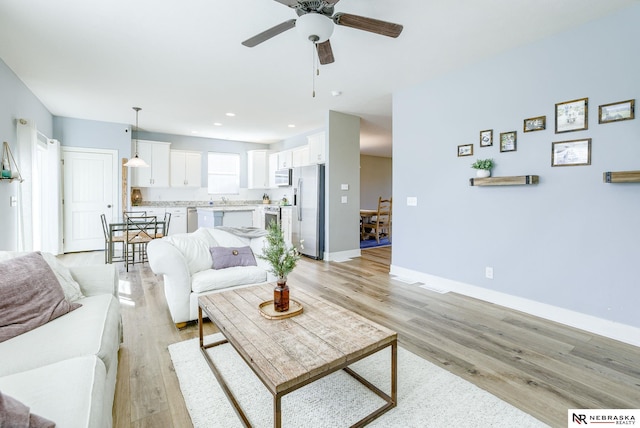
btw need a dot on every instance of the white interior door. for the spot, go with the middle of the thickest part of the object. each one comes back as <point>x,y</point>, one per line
<point>90,190</point>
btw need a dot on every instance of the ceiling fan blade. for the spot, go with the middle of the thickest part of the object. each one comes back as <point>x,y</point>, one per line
<point>290,3</point>
<point>325,53</point>
<point>271,32</point>
<point>368,24</point>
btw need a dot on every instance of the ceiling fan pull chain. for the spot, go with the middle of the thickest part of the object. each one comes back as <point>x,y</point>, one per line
<point>313,68</point>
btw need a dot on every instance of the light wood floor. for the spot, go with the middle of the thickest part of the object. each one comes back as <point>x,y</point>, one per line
<point>541,367</point>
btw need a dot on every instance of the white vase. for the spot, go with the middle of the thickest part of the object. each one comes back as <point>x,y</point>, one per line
<point>483,173</point>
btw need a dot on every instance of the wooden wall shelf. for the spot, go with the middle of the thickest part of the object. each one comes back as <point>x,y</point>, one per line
<point>516,180</point>
<point>621,177</point>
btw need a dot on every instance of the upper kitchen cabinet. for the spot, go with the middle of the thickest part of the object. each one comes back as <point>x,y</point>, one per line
<point>258,169</point>
<point>156,154</point>
<point>186,168</point>
<point>285,159</point>
<point>317,149</point>
<point>300,156</point>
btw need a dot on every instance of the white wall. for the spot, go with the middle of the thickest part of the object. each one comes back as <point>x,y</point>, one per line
<point>572,241</point>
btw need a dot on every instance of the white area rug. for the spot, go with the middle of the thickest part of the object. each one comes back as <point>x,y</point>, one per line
<point>428,396</point>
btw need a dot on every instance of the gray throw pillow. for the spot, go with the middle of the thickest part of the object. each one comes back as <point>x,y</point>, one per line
<point>31,295</point>
<point>226,257</point>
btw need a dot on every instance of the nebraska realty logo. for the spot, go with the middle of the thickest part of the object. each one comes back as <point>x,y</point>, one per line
<point>580,417</point>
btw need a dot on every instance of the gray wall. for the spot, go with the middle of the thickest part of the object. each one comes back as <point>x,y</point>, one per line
<point>570,241</point>
<point>16,102</point>
<point>343,158</point>
<point>375,180</point>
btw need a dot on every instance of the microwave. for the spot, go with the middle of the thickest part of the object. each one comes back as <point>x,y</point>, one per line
<point>283,177</point>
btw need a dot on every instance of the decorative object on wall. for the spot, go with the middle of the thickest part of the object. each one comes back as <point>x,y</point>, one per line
<point>10,169</point>
<point>136,162</point>
<point>615,112</point>
<point>483,167</point>
<point>535,124</point>
<point>572,115</point>
<point>621,177</point>
<point>508,141</point>
<point>486,138</point>
<point>571,153</point>
<point>517,180</point>
<point>465,150</point>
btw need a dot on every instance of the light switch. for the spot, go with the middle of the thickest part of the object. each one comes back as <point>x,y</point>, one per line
<point>13,201</point>
<point>412,201</point>
<point>344,187</point>
<point>343,199</point>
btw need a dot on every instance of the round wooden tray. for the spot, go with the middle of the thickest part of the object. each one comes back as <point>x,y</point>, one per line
<point>267,310</point>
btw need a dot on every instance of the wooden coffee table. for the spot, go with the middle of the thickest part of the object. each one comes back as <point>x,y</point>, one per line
<point>336,336</point>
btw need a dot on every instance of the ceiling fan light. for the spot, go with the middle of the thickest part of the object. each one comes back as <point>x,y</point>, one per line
<point>315,27</point>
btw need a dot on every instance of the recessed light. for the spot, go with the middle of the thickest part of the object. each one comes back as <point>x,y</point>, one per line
<point>194,132</point>
<point>230,114</point>
<point>217,124</point>
<point>291,126</point>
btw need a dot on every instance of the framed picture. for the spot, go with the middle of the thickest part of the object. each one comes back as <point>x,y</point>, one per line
<point>508,141</point>
<point>486,138</point>
<point>572,116</point>
<point>571,153</point>
<point>465,150</point>
<point>535,124</point>
<point>615,112</point>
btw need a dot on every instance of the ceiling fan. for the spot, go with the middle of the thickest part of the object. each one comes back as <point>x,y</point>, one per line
<point>315,21</point>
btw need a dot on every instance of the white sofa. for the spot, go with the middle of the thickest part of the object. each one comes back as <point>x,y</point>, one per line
<point>65,370</point>
<point>185,262</point>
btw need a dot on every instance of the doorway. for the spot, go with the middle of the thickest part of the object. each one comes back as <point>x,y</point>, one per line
<point>89,189</point>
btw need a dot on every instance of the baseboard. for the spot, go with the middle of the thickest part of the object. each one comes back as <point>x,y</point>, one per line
<point>613,330</point>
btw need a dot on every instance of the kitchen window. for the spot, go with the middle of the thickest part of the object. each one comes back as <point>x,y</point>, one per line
<point>223,173</point>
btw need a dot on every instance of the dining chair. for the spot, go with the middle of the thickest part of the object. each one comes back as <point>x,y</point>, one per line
<point>110,240</point>
<point>163,227</point>
<point>133,214</point>
<point>140,231</point>
<point>378,225</point>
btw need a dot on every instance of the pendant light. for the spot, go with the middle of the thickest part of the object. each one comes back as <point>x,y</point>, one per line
<point>136,162</point>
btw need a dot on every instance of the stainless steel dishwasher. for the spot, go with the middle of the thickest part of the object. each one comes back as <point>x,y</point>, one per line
<point>192,219</point>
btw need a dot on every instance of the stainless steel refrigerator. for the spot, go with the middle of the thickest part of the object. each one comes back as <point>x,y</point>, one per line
<point>307,229</point>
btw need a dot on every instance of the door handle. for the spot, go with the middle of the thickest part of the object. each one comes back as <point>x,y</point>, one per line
<point>109,206</point>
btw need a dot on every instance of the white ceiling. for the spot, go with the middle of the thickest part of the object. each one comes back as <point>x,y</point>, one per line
<point>182,61</point>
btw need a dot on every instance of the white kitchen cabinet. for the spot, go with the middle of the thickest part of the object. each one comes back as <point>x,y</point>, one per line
<point>285,159</point>
<point>317,150</point>
<point>286,218</point>
<point>156,154</point>
<point>178,222</point>
<point>258,169</point>
<point>273,166</point>
<point>300,156</point>
<point>258,217</point>
<point>186,168</point>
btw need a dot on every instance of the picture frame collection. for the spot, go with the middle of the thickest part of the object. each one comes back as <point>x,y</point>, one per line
<point>570,116</point>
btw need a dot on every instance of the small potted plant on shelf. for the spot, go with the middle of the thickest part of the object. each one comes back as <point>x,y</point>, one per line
<point>282,259</point>
<point>265,199</point>
<point>483,167</point>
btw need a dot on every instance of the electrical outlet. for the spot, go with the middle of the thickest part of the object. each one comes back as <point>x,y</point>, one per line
<point>488,272</point>
<point>412,201</point>
<point>343,199</point>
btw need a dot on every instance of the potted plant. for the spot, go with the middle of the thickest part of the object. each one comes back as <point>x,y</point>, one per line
<point>282,259</point>
<point>483,167</point>
<point>265,199</point>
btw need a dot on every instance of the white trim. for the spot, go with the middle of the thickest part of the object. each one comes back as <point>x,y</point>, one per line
<point>614,330</point>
